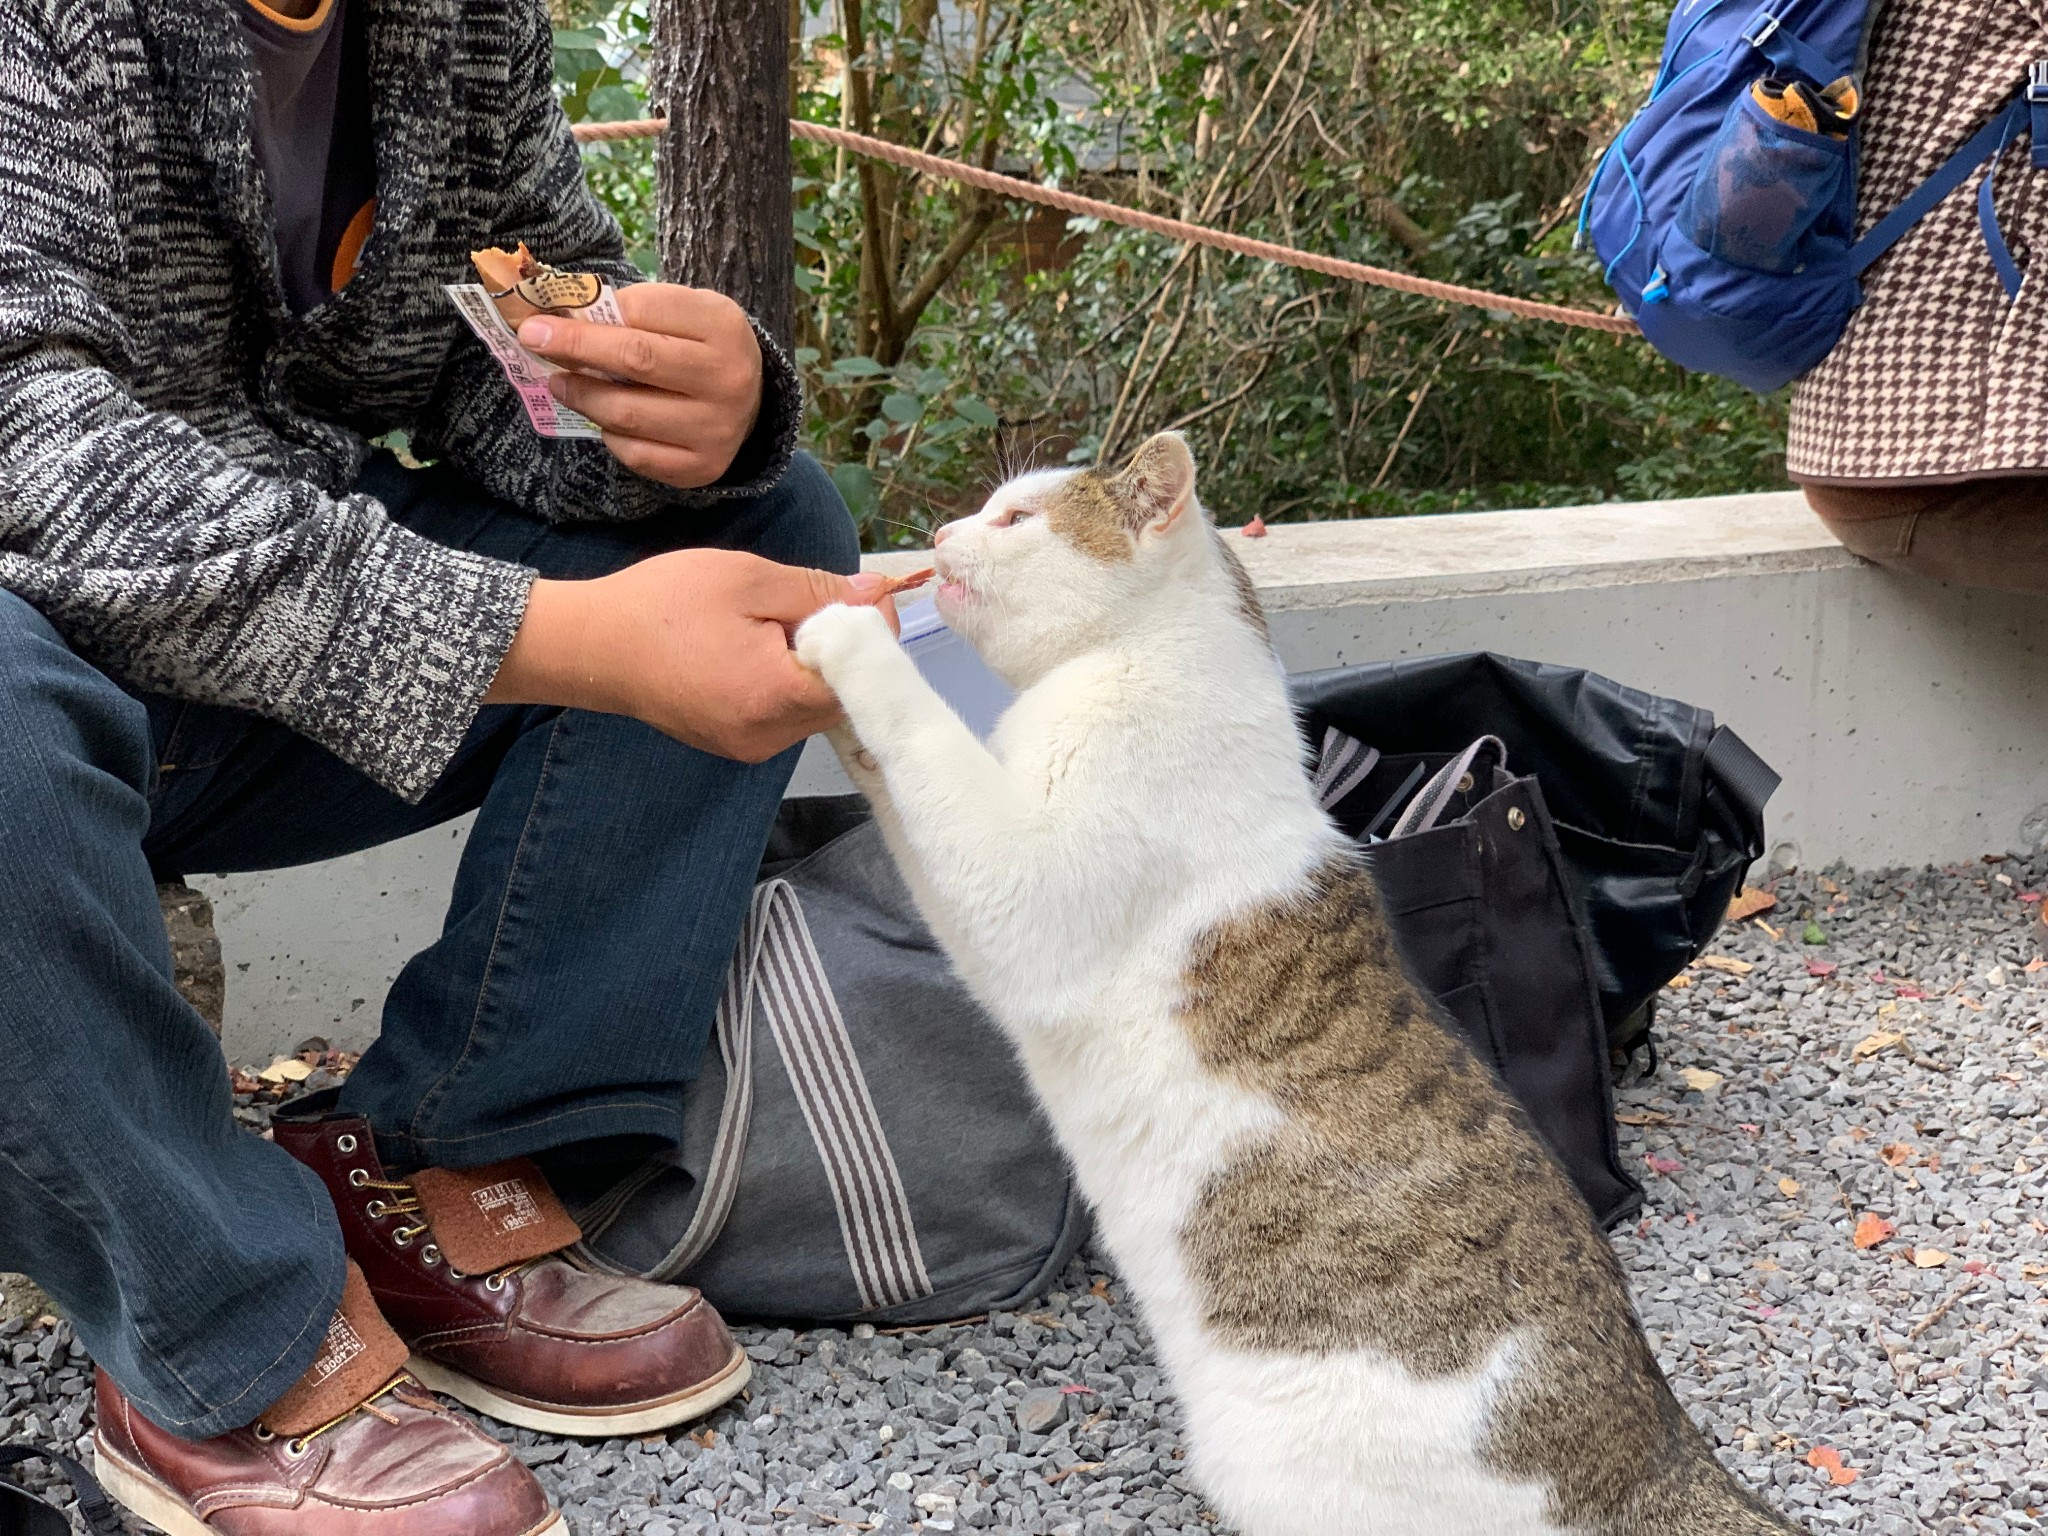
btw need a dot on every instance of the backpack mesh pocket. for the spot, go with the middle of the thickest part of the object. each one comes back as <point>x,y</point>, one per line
<point>1762,189</point>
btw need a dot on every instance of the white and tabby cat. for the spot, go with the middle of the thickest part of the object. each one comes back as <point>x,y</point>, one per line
<point>1385,1309</point>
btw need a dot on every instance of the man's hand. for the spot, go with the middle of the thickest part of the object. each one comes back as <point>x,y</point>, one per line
<point>688,379</point>
<point>695,643</point>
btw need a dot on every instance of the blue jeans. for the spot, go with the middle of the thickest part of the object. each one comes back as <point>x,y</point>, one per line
<point>564,1006</point>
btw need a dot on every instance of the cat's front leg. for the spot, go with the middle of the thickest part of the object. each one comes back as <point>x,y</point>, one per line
<point>946,794</point>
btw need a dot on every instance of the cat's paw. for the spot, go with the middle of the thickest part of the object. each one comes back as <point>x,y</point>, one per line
<point>831,638</point>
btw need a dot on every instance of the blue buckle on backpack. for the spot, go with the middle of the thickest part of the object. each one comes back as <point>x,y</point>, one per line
<point>2037,104</point>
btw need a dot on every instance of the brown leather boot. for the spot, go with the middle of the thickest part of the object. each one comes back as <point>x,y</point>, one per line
<point>467,1266</point>
<point>356,1448</point>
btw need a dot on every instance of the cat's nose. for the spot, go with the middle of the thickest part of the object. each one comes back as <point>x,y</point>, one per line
<point>940,535</point>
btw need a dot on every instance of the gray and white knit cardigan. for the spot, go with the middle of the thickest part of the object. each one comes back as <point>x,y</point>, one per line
<point>176,447</point>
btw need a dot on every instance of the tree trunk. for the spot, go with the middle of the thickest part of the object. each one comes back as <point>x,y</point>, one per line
<point>721,74</point>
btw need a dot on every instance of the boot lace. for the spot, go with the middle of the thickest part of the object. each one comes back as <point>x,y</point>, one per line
<point>406,1203</point>
<point>402,1388</point>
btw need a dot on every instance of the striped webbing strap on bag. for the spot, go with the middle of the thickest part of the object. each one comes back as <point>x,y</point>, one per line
<point>777,969</point>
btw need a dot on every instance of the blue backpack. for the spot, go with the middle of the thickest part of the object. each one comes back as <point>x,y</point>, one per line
<point>1730,233</point>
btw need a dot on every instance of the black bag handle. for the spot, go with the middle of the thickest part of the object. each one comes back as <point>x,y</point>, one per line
<point>23,1514</point>
<point>1747,777</point>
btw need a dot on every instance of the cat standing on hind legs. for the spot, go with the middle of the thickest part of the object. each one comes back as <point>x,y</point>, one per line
<point>1385,1310</point>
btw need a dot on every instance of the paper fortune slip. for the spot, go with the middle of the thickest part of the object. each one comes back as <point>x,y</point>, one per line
<point>526,373</point>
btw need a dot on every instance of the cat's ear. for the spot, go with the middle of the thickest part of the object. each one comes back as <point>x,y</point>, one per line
<point>1158,486</point>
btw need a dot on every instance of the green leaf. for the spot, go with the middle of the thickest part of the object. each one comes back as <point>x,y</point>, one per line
<point>576,37</point>
<point>856,484</point>
<point>902,409</point>
<point>1813,935</point>
<point>976,411</point>
<point>614,104</point>
<point>857,367</point>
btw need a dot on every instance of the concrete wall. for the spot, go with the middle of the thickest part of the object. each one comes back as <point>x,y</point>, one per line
<point>1908,719</point>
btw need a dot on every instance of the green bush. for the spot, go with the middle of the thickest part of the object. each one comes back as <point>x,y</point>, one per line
<point>1445,137</point>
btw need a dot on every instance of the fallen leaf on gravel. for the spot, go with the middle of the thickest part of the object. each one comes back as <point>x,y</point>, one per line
<point>1664,1165</point>
<point>1642,1117</point>
<point>1777,934</point>
<point>1909,994</point>
<point>706,1437</point>
<point>1872,1229</point>
<point>1679,981</point>
<point>286,1069</point>
<point>1829,1460</point>
<point>2036,964</point>
<point>1748,902</point>
<point>1788,1188</point>
<point>1929,1258</point>
<point>1765,1264</point>
<point>1728,963</point>
<point>1821,968</point>
<point>2030,897</point>
<point>2033,1271</point>
<point>1699,1079</point>
<point>1872,1045</point>
<point>1101,1292</point>
<point>1896,1153</point>
<point>1813,933</point>
<point>1976,1267</point>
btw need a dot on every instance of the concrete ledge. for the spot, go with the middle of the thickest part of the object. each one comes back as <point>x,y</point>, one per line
<point>1910,720</point>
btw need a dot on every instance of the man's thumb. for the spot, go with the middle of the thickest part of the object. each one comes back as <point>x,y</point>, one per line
<point>799,591</point>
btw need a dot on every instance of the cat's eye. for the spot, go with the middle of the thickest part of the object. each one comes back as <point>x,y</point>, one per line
<point>1016,515</point>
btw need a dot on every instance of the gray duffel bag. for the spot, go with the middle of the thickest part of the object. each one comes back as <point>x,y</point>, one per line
<point>862,1144</point>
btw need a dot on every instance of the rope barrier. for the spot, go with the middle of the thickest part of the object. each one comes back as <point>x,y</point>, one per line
<point>1172,229</point>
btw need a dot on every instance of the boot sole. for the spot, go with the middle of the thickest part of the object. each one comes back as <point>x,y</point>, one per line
<point>142,1495</point>
<point>597,1423</point>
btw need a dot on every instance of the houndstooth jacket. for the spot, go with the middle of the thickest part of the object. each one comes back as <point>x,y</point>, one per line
<point>1938,376</point>
<point>176,447</point>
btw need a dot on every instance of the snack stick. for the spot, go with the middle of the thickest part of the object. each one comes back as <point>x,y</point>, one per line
<point>516,287</point>
<point>896,585</point>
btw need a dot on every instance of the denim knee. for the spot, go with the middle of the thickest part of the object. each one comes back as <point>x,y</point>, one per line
<point>808,522</point>
<point>54,702</point>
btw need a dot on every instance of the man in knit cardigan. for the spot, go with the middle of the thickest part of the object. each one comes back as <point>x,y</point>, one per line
<point>232,636</point>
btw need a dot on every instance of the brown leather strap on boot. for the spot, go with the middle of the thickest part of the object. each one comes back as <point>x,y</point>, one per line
<point>488,1218</point>
<point>360,1357</point>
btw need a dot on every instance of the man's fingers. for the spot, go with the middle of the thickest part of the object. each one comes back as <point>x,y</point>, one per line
<point>792,593</point>
<point>684,468</point>
<point>624,351</point>
<point>695,314</point>
<point>635,410</point>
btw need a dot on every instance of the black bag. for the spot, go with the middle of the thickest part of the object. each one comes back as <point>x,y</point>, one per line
<point>1543,939</point>
<point>24,1514</point>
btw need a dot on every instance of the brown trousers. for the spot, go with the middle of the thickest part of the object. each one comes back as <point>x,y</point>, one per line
<point>1981,533</point>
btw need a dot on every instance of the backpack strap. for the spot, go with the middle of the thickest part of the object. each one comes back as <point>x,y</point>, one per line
<point>1989,140</point>
<point>95,1509</point>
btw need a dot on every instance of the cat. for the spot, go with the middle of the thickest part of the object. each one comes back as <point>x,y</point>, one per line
<point>1383,1306</point>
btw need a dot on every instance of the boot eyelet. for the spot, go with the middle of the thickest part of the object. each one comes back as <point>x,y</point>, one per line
<point>495,1283</point>
<point>344,1145</point>
<point>401,1239</point>
<point>375,1210</point>
<point>295,1448</point>
<point>430,1254</point>
<point>264,1433</point>
<point>358,1177</point>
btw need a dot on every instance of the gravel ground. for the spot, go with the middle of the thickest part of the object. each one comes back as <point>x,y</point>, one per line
<point>1875,1077</point>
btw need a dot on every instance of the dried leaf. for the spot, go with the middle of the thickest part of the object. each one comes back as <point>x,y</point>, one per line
<point>1929,1258</point>
<point>1872,1229</point>
<point>1821,968</point>
<point>1873,1045</point>
<point>1896,1154</point>
<point>1255,529</point>
<point>1664,1165</point>
<point>1679,981</point>
<point>1748,902</point>
<point>1777,934</point>
<point>1829,1460</point>
<point>1700,1080</point>
<point>1642,1117</point>
<point>1728,963</point>
<point>1829,886</point>
<point>1788,1188</point>
<point>1101,1291</point>
<point>706,1437</point>
<point>286,1069</point>
<point>2036,964</point>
